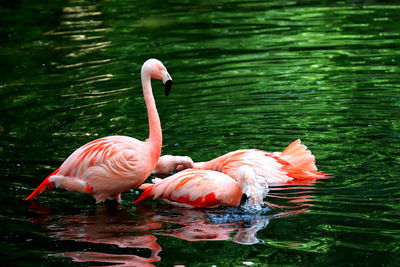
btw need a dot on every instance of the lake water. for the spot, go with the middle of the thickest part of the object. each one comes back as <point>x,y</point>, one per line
<point>247,74</point>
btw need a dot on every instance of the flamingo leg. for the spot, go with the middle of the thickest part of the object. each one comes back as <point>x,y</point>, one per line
<point>117,197</point>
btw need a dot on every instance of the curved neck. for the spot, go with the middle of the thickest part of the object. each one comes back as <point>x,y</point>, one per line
<point>209,165</point>
<point>155,133</point>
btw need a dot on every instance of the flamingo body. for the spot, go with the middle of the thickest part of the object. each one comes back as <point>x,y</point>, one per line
<point>207,189</point>
<point>106,167</point>
<point>195,189</point>
<point>294,163</point>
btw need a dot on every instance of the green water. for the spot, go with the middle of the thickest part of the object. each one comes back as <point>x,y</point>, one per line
<point>247,74</point>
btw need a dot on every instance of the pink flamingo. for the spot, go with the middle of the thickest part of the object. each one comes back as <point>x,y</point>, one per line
<point>168,163</point>
<point>106,167</point>
<point>207,189</point>
<point>295,163</point>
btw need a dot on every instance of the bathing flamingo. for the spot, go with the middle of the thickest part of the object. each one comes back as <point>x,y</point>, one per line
<point>168,163</point>
<point>294,164</point>
<point>106,167</point>
<point>207,189</point>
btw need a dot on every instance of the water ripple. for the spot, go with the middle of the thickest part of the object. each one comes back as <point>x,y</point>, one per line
<point>247,74</point>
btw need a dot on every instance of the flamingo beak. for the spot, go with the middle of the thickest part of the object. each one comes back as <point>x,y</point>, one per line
<point>168,85</point>
<point>167,80</point>
<point>243,199</point>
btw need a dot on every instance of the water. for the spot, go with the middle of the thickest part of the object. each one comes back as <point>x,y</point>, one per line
<point>247,74</point>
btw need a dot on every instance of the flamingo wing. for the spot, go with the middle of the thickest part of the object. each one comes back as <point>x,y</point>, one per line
<point>194,188</point>
<point>117,153</point>
<point>295,162</point>
<point>105,167</point>
<point>263,163</point>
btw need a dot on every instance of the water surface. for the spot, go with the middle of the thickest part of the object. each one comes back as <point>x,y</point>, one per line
<point>247,74</point>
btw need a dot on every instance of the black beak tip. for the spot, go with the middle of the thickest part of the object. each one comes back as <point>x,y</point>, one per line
<point>243,199</point>
<point>168,85</point>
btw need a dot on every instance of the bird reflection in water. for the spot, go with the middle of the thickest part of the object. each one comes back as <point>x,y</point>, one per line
<point>132,233</point>
<point>212,225</point>
<point>110,225</point>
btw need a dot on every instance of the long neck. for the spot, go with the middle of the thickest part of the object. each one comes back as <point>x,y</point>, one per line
<point>214,164</point>
<point>155,133</point>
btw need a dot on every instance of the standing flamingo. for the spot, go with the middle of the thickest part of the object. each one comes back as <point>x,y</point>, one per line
<point>207,189</point>
<point>106,167</point>
<point>295,163</point>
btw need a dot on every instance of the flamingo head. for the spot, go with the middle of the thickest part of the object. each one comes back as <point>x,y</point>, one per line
<point>156,70</point>
<point>168,163</point>
<point>254,187</point>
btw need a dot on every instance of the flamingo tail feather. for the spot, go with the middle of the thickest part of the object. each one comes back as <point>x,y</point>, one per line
<point>302,162</point>
<point>148,190</point>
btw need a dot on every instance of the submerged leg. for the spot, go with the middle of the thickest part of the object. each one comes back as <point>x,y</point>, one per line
<point>117,197</point>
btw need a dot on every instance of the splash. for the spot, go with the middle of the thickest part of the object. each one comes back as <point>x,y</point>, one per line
<point>254,187</point>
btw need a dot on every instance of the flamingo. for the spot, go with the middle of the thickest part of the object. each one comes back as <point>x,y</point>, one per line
<point>295,163</point>
<point>106,167</point>
<point>169,163</point>
<point>207,189</point>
